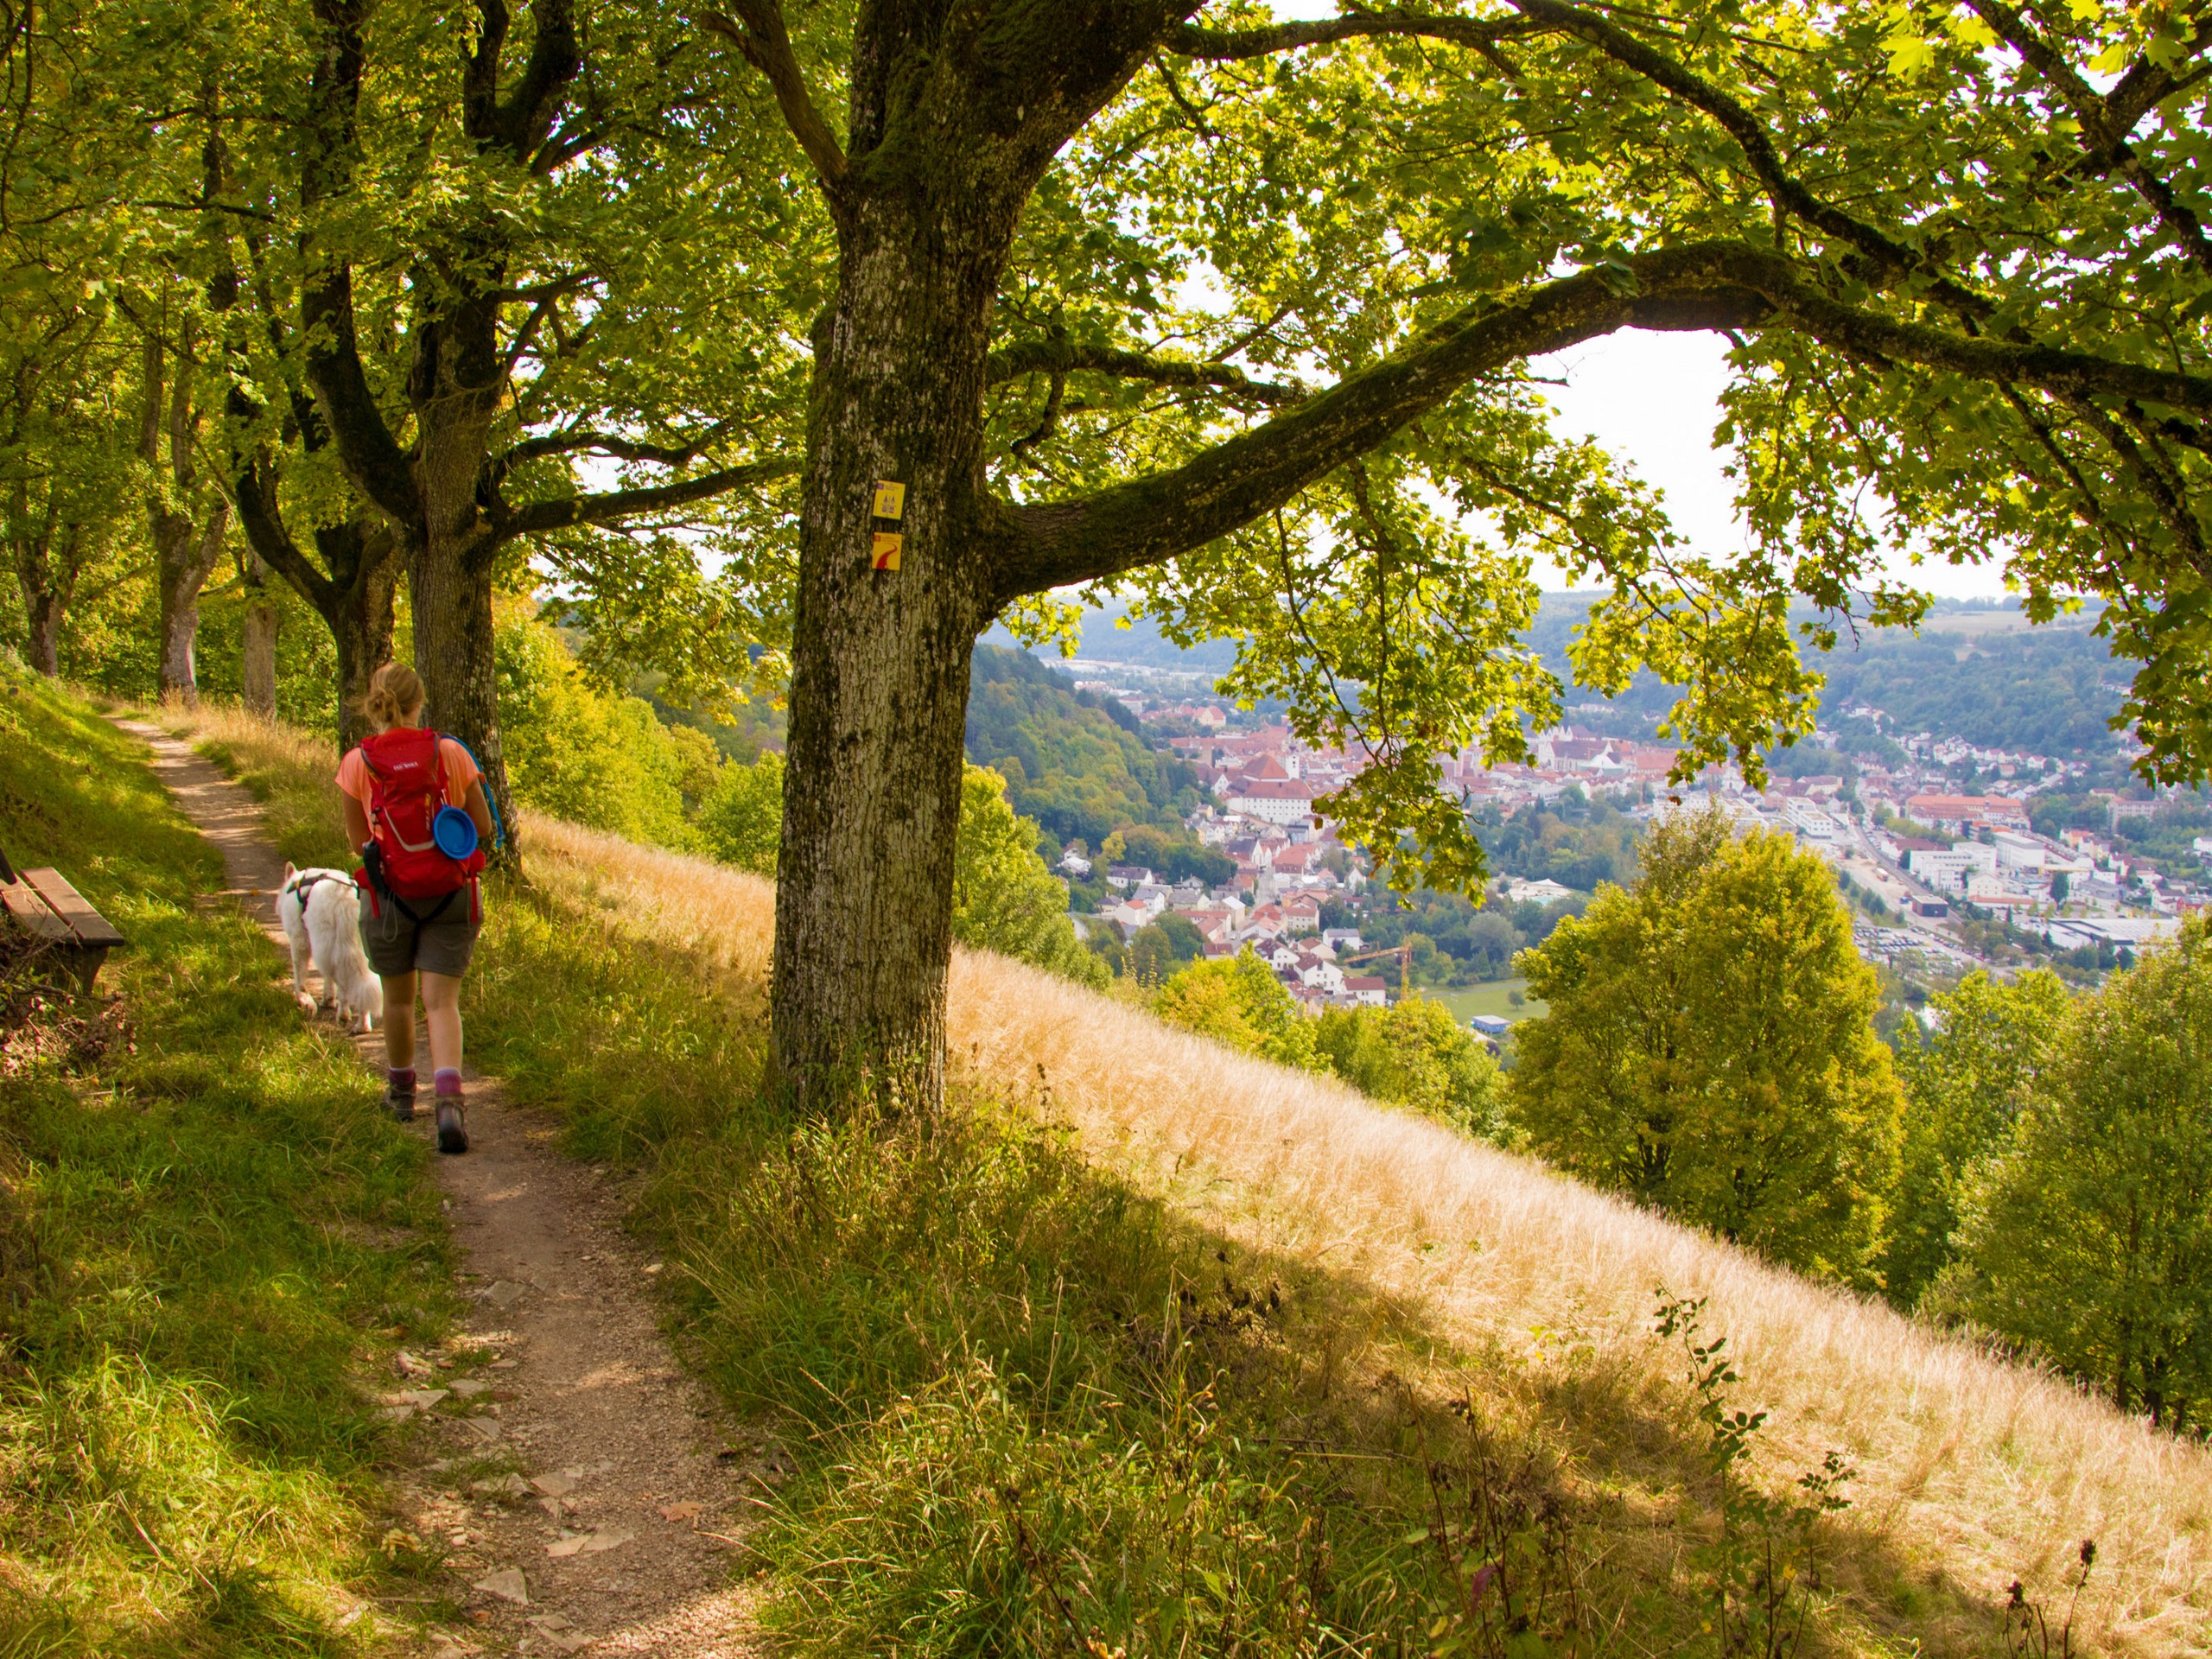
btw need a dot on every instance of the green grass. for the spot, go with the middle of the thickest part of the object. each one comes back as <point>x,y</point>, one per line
<point>1025,1400</point>
<point>211,1240</point>
<point>1494,998</point>
<point>1034,1411</point>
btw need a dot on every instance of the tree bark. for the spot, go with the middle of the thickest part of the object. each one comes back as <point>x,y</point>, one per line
<point>881,658</point>
<point>360,622</point>
<point>452,546</point>
<point>451,593</point>
<point>182,565</point>
<point>45,583</point>
<point>353,591</point>
<point>42,614</point>
<point>257,639</point>
<point>183,559</point>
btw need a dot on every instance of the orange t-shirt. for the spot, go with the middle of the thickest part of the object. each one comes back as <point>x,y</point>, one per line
<point>461,772</point>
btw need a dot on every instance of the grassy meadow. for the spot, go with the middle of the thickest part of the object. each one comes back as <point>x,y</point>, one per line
<point>1494,998</point>
<point>211,1242</point>
<point>1148,1347</point>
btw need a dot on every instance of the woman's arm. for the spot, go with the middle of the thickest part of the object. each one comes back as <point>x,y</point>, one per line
<point>357,823</point>
<point>479,811</point>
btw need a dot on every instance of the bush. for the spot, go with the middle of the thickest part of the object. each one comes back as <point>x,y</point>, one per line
<point>1158,948</point>
<point>1964,1091</point>
<point>1003,897</point>
<point>1416,1053</point>
<point>741,816</point>
<point>574,753</point>
<point>1710,1048</point>
<point>1238,1001</point>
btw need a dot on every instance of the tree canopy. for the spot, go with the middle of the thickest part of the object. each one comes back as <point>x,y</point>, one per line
<point>1234,320</point>
<point>1709,1049</point>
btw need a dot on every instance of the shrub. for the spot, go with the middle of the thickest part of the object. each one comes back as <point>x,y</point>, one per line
<point>1239,1001</point>
<point>1416,1053</point>
<point>1964,1091</point>
<point>741,816</point>
<point>577,753</point>
<point>1003,898</point>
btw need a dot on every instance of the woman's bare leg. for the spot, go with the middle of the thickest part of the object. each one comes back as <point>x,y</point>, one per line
<point>441,1012</point>
<point>399,1021</point>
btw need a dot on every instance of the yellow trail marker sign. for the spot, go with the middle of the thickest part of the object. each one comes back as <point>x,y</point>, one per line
<point>890,501</point>
<point>887,549</point>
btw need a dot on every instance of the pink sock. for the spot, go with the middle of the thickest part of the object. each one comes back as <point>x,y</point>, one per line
<point>447,1081</point>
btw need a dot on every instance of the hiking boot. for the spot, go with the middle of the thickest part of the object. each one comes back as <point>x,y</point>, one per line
<point>452,1131</point>
<point>400,1103</point>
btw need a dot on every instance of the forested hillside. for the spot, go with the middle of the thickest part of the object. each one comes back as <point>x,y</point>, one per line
<point>1076,763</point>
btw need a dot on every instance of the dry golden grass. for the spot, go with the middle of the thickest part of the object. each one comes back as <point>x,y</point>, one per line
<point>1980,1469</point>
<point>1970,1467</point>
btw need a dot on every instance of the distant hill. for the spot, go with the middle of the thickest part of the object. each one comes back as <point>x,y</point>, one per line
<point>1077,763</point>
<point>1141,644</point>
<point>1976,670</point>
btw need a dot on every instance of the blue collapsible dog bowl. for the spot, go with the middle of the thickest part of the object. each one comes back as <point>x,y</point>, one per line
<point>454,831</point>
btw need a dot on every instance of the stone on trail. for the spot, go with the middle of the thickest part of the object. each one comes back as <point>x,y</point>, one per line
<point>507,1583</point>
<point>588,1543</point>
<point>554,1486</point>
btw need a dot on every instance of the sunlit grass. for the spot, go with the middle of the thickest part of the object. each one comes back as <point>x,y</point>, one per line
<point>210,1239</point>
<point>1415,1261</point>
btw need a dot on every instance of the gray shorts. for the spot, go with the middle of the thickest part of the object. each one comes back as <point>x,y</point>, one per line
<point>441,945</point>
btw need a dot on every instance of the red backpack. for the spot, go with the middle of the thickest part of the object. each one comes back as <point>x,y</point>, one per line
<point>407,785</point>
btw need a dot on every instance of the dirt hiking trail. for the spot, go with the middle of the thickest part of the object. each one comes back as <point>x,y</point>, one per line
<point>582,1493</point>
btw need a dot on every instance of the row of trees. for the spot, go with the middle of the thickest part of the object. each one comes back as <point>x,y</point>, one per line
<point>2039,1163</point>
<point>404,293</point>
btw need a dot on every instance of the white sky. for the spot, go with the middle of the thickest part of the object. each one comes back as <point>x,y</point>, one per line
<point>1652,400</point>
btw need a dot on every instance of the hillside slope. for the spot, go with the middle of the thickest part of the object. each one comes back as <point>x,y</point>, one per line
<point>1419,1269</point>
<point>1537,1292</point>
<point>1076,763</point>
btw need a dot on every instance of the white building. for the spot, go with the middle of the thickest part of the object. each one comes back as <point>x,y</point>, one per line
<point>1285,802</point>
<point>1948,871</point>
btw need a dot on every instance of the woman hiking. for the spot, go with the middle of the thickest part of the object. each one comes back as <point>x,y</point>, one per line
<point>420,906</point>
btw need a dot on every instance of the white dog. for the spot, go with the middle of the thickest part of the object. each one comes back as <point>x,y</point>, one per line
<point>322,913</point>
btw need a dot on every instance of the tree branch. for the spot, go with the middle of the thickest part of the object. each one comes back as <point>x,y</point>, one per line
<point>606,443</point>
<point>1151,519</point>
<point>1893,257</point>
<point>1056,356</point>
<point>254,487</point>
<point>1710,285</point>
<point>1220,45</point>
<point>541,517</point>
<point>758,31</point>
<point>2101,134</point>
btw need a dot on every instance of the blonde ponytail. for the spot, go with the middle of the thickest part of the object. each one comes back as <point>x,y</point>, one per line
<point>395,694</point>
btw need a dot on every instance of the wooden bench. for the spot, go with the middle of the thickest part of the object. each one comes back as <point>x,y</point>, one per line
<point>54,914</point>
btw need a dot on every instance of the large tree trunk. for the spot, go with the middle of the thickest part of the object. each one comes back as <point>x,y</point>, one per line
<point>881,662</point>
<point>360,622</point>
<point>257,639</point>
<point>182,565</point>
<point>451,592</point>
<point>45,583</point>
<point>42,614</point>
<point>182,560</point>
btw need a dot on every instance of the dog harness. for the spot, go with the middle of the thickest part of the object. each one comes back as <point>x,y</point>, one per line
<point>305,880</point>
